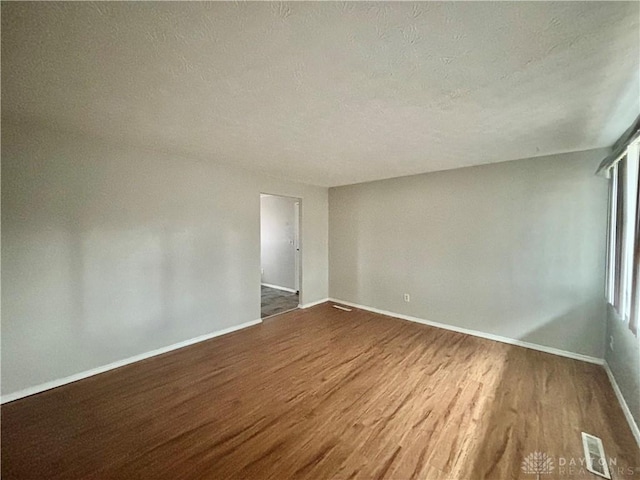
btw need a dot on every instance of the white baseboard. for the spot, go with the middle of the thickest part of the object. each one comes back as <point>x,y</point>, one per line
<point>313,304</point>
<point>120,363</point>
<point>278,287</point>
<point>136,358</point>
<point>476,333</point>
<point>623,403</point>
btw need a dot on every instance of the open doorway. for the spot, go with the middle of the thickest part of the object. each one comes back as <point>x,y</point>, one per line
<point>279,254</point>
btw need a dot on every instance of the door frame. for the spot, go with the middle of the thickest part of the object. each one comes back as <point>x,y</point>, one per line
<point>298,243</point>
<point>296,246</point>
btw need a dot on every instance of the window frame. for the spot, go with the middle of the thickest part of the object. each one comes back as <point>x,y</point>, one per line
<point>623,235</point>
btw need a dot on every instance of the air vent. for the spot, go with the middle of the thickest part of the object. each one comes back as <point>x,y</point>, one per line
<point>340,307</point>
<point>594,454</point>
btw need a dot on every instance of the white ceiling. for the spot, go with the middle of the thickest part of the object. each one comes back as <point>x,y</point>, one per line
<point>329,93</point>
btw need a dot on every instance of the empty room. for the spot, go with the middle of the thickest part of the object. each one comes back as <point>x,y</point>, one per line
<point>321,240</point>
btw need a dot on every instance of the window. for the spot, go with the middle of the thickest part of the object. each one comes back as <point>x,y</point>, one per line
<point>623,243</point>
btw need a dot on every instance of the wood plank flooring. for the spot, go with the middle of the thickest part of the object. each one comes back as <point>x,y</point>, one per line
<point>322,393</point>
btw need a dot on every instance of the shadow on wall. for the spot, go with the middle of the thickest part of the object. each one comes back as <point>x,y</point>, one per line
<point>141,281</point>
<point>623,357</point>
<point>106,294</point>
<point>581,320</point>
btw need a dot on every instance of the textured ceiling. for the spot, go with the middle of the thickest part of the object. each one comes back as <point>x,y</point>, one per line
<point>329,93</point>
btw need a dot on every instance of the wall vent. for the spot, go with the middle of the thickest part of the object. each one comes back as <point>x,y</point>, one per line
<point>340,307</point>
<point>594,454</point>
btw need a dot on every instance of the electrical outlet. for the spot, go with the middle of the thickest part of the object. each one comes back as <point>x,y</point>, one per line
<point>407,297</point>
<point>611,343</point>
<point>262,271</point>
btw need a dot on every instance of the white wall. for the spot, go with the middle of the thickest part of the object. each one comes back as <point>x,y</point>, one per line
<point>110,252</point>
<point>277,240</point>
<point>514,249</point>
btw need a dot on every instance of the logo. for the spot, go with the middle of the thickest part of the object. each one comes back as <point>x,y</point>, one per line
<point>537,463</point>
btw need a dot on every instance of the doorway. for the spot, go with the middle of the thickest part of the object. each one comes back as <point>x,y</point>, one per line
<point>279,254</point>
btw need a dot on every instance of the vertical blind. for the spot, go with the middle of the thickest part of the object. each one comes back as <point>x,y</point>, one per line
<point>623,239</point>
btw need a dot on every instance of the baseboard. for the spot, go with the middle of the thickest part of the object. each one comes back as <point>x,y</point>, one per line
<point>476,333</point>
<point>623,403</point>
<point>313,304</point>
<point>278,287</point>
<point>121,363</point>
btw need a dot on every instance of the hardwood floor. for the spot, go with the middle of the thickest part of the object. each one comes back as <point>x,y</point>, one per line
<point>322,393</point>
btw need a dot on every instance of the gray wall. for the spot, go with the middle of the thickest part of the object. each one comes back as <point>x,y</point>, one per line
<point>277,240</point>
<point>110,252</point>
<point>513,249</point>
<point>624,361</point>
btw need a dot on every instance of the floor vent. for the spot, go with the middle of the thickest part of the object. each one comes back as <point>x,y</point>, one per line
<point>594,454</point>
<point>339,307</point>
